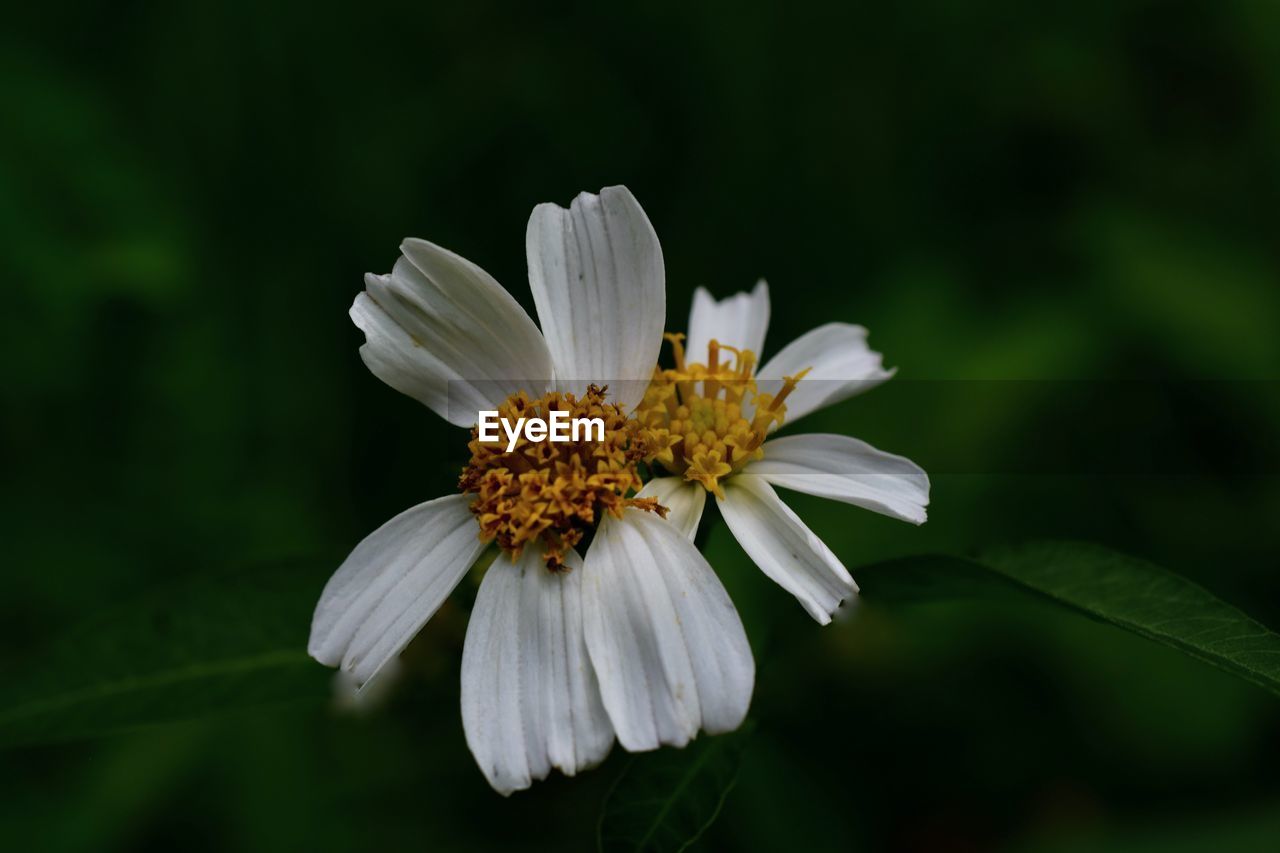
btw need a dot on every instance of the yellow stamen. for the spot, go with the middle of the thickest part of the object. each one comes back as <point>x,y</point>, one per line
<point>710,387</point>
<point>677,347</point>
<point>697,414</point>
<point>552,493</point>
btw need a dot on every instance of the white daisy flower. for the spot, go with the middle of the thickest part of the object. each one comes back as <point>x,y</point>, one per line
<point>634,637</point>
<point>713,417</point>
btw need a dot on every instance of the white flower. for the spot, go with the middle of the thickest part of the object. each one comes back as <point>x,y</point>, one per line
<point>635,638</point>
<point>718,413</point>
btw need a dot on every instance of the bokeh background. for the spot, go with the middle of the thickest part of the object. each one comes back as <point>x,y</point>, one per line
<point>1059,221</point>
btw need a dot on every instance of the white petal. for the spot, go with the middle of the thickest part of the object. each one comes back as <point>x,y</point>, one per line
<point>684,499</point>
<point>392,583</point>
<point>350,697</point>
<point>842,365</point>
<point>600,288</point>
<point>441,330</point>
<point>783,547</point>
<point>664,638</point>
<point>530,700</point>
<point>739,321</point>
<point>848,470</point>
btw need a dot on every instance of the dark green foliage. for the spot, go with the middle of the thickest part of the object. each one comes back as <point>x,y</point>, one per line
<point>665,800</point>
<point>1058,221</point>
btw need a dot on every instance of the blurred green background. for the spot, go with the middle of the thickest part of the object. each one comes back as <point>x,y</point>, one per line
<point>1059,221</point>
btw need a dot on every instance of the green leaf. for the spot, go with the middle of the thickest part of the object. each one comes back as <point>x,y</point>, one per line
<point>1100,583</point>
<point>185,650</point>
<point>664,800</point>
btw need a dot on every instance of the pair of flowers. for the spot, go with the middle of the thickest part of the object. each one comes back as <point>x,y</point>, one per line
<point>571,644</point>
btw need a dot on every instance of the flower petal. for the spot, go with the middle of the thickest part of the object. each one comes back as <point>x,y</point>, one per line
<point>441,330</point>
<point>684,499</point>
<point>846,469</point>
<point>739,321</point>
<point>665,640</point>
<point>600,288</point>
<point>350,697</point>
<point>530,700</point>
<point>392,583</point>
<point>841,365</point>
<point>783,547</point>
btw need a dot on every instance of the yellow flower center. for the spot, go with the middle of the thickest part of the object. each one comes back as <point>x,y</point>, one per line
<point>554,492</point>
<point>706,421</point>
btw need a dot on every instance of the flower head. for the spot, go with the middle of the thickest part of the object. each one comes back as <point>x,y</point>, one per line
<point>715,410</point>
<point>712,419</point>
<point>568,646</point>
<point>547,495</point>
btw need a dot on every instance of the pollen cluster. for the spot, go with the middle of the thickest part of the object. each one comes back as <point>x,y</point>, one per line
<point>550,494</point>
<point>708,420</point>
